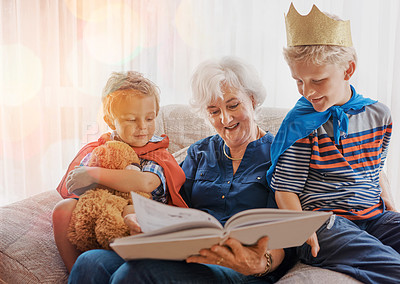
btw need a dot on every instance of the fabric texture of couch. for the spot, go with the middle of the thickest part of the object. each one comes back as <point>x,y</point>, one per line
<point>28,253</point>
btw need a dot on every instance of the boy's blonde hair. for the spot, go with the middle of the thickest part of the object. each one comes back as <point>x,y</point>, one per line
<point>122,86</point>
<point>321,54</point>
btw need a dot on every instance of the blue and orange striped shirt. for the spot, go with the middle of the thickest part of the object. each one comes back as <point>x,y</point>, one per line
<point>341,178</point>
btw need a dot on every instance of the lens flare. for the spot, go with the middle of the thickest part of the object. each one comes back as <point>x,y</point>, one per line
<point>83,9</point>
<point>116,39</point>
<point>20,74</point>
<point>189,26</point>
<point>21,121</point>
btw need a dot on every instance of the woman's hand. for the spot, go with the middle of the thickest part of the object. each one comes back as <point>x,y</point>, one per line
<point>132,223</point>
<point>313,242</point>
<point>78,178</point>
<point>246,260</point>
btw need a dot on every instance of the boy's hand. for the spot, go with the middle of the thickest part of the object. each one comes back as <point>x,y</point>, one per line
<point>313,242</point>
<point>131,221</point>
<point>79,178</point>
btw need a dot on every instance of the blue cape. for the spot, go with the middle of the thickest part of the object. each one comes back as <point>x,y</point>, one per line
<point>303,119</point>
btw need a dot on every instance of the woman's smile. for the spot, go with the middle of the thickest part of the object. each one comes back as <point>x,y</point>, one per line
<point>232,127</point>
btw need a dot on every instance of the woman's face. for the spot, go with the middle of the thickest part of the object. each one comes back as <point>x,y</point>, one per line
<point>233,117</point>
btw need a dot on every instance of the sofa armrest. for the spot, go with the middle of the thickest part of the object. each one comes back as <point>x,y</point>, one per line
<point>180,155</point>
<point>28,253</point>
<point>306,274</point>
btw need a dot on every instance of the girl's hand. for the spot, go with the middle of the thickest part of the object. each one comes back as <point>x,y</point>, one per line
<point>244,259</point>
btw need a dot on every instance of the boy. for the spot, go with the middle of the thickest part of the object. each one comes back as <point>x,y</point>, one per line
<point>329,153</point>
<point>130,105</point>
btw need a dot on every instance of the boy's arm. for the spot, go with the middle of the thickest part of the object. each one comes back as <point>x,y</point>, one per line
<point>121,180</point>
<point>383,180</point>
<point>290,175</point>
<point>290,200</point>
<point>293,178</point>
<point>386,193</point>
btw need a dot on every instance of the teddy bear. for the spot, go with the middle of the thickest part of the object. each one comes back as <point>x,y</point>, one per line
<point>97,218</point>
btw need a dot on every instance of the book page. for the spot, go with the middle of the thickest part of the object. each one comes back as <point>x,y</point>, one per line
<point>262,216</point>
<point>172,235</point>
<point>290,232</point>
<point>153,215</point>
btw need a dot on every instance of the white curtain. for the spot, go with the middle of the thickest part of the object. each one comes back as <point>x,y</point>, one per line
<point>56,55</point>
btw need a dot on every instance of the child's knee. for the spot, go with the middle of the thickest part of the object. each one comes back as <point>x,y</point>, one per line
<point>63,209</point>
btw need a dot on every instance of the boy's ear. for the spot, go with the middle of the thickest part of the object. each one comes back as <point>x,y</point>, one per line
<point>350,70</point>
<point>109,121</point>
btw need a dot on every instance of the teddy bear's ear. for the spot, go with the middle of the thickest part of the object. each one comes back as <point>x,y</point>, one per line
<point>109,121</point>
<point>98,152</point>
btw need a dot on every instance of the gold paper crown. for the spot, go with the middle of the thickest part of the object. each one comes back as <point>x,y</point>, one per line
<point>316,28</point>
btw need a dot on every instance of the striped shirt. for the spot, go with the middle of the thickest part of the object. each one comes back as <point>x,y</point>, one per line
<point>341,178</point>
<point>160,193</point>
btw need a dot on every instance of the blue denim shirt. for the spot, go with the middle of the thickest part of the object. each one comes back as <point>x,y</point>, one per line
<point>211,185</point>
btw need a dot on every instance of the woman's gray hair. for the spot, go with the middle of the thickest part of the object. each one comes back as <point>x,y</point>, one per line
<point>211,75</point>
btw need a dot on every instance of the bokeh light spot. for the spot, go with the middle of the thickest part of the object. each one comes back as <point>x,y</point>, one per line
<point>83,9</point>
<point>20,122</point>
<point>115,39</point>
<point>189,26</point>
<point>21,74</point>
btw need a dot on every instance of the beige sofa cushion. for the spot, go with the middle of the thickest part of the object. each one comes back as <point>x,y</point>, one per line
<point>184,127</point>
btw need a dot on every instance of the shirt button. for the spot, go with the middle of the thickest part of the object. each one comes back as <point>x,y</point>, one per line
<point>229,181</point>
<point>223,196</point>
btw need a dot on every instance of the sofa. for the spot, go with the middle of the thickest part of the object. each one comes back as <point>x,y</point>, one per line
<point>28,253</point>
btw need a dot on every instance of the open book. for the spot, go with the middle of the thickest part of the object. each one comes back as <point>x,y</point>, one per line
<point>175,233</point>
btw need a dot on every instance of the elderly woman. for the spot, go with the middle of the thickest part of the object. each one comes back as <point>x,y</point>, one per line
<point>225,174</point>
